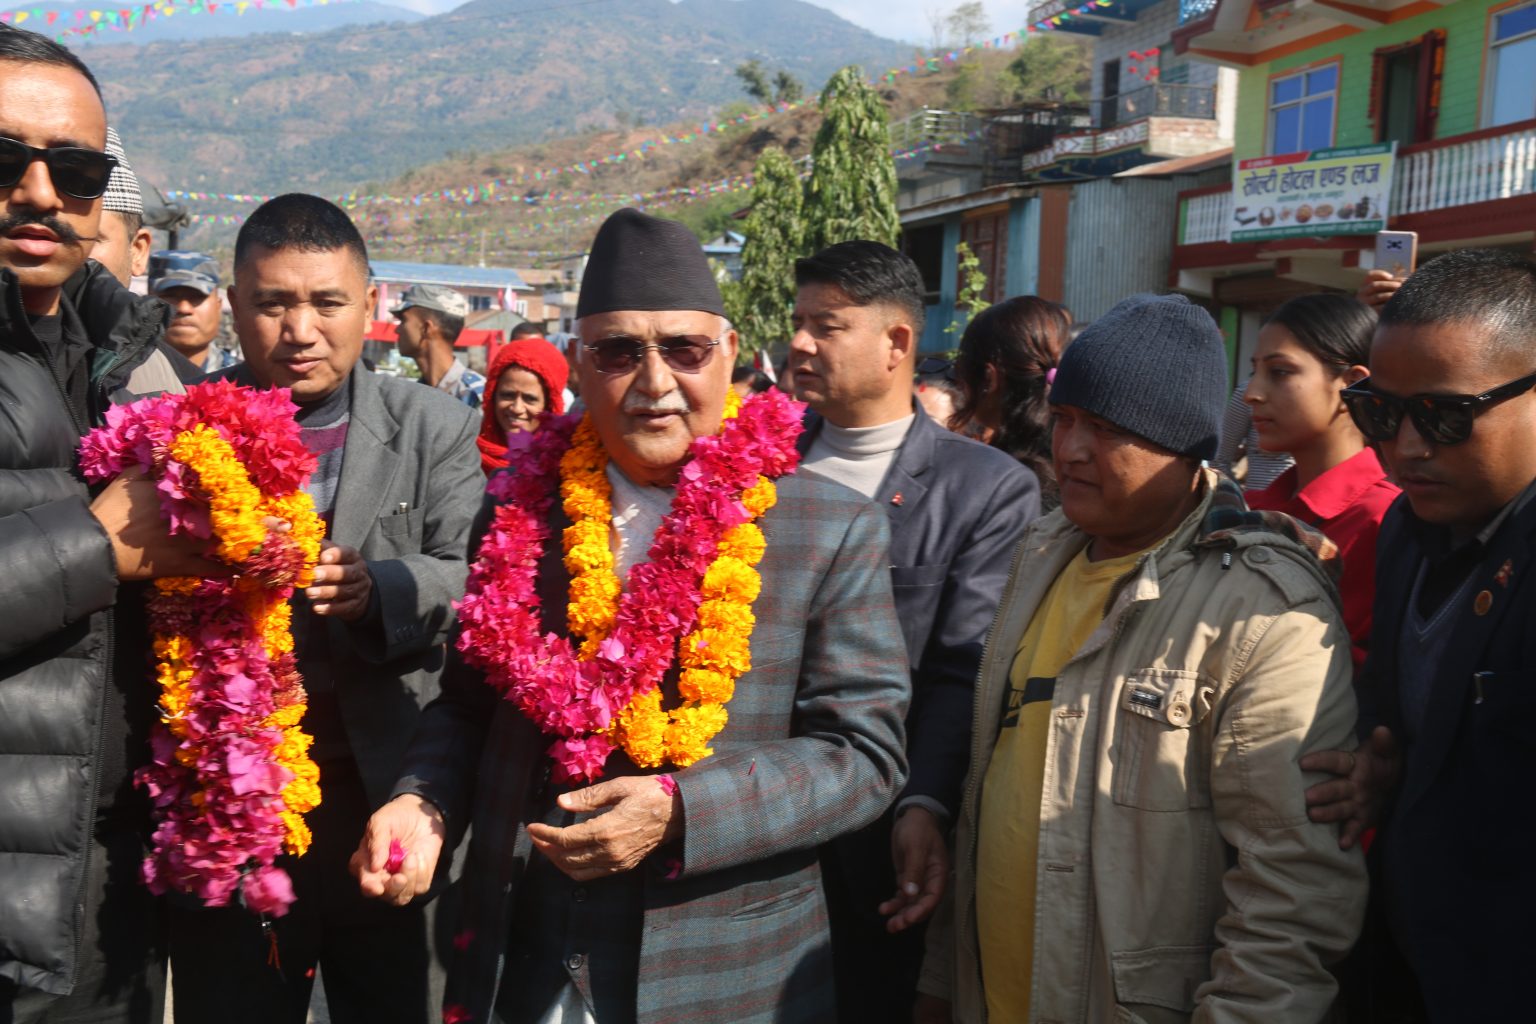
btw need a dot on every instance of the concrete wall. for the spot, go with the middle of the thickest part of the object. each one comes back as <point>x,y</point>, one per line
<point>1153,27</point>
<point>1466,27</point>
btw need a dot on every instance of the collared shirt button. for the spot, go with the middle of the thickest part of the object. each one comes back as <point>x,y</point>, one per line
<point>579,894</point>
<point>574,961</point>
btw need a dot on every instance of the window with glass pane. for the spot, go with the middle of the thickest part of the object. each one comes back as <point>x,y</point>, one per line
<point>1512,67</point>
<point>1301,110</point>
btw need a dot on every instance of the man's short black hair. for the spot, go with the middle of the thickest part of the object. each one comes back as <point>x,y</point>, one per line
<point>300,221</point>
<point>132,222</point>
<point>870,274</point>
<point>20,46</point>
<point>448,326</point>
<point>1488,287</point>
<point>526,330</point>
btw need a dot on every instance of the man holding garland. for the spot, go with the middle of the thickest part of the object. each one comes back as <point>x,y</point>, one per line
<point>649,766</point>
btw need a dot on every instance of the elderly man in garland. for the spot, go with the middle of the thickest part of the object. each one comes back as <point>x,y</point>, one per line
<point>397,484</point>
<point>650,766</point>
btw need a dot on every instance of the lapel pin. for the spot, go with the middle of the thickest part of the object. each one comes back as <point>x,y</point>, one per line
<point>1483,602</point>
<point>1505,572</point>
<point>896,498</point>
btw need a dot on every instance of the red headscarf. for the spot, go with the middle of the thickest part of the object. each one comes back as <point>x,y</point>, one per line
<point>539,358</point>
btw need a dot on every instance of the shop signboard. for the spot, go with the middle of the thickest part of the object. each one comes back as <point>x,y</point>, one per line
<point>1319,194</point>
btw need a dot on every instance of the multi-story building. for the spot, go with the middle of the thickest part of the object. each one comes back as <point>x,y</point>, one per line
<point>1075,202</point>
<point>1440,98</point>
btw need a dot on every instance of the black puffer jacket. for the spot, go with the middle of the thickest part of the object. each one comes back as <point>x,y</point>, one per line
<point>57,588</point>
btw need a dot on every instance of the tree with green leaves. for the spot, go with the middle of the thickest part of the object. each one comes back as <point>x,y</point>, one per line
<point>1052,68</point>
<point>787,88</point>
<point>967,24</point>
<point>852,191</point>
<point>760,303</point>
<point>973,285</point>
<point>755,81</point>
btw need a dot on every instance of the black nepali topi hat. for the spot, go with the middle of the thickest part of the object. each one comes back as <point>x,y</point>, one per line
<point>646,263</point>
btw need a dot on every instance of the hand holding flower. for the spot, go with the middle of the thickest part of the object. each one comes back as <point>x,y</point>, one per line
<point>640,816</point>
<point>406,823</point>
<point>142,544</point>
<point>342,584</point>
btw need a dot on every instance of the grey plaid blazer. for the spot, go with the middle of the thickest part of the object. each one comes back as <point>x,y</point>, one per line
<point>813,749</point>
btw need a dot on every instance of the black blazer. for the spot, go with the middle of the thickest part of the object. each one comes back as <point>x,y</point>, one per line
<point>957,510</point>
<point>1459,845</point>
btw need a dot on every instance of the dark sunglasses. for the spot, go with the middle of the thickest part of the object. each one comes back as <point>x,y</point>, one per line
<point>685,353</point>
<point>936,366</point>
<point>77,172</point>
<point>1439,419</point>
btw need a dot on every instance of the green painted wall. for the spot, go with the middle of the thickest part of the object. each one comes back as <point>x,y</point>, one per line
<point>1466,25</point>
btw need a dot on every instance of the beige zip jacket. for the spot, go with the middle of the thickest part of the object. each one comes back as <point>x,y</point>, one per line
<point>1179,878</point>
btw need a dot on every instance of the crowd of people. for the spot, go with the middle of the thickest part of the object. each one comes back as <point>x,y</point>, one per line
<point>979,691</point>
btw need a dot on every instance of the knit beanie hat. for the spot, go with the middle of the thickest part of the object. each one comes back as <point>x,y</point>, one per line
<point>1154,365</point>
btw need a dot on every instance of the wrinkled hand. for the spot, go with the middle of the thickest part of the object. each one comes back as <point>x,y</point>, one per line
<point>931,1010</point>
<point>342,584</point>
<point>417,825</point>
<point>1365,779</point>
<point>129,510</point>
<point>921,858</point>
<point>641,816</point>
<point>1378,287</point>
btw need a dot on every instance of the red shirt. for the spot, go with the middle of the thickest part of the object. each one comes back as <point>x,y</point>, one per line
<point>1347,504</point>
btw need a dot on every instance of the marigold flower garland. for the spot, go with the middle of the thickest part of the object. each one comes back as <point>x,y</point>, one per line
<point>690,603</point>
<point>230,775</point>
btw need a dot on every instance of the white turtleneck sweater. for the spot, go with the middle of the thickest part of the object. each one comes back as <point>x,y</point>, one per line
<point>857,457</point>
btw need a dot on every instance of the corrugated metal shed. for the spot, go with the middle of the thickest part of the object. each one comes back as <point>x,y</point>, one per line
<point>1119,241</point>
<point>448,275</point>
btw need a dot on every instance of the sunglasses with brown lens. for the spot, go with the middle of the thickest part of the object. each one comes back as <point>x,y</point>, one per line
<point>685,353</point>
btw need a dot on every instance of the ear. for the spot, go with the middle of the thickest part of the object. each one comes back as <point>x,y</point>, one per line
<point>143,241</point>
<point>992,378</point>
<point>903,343</point>
<point>1355,374</point>
<point>730,344</point>
<point>234,299</point>
<point>371,300</point>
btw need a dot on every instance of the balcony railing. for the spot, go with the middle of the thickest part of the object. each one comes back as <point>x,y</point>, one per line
<point>1196,101</point>
<point>934,127</point>
<point>1205,216</point>
<point>1479,167</point>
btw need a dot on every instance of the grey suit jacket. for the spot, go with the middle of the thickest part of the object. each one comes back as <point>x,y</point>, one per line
<point>412,446</point>
<point>813,748</point>
<point>957,509</point>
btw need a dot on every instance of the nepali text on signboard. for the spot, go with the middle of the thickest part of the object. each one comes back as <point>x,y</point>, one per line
<point>1322,193</point>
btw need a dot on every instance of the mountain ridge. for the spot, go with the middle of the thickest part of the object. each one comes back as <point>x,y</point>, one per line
<point>374,102</point>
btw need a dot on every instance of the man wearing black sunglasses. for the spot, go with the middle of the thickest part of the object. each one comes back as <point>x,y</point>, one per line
<point>79,934</point>
<point>1449,693</point>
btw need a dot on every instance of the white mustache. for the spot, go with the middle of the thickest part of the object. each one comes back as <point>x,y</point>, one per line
<point>640,405</point>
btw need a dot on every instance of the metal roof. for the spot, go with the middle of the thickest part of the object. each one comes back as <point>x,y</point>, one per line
<point>448,274</point>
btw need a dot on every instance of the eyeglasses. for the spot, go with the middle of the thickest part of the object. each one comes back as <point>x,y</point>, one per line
<point>936,366</point>
<point>1439,419</point>
<point>77,172</point>
<point>685,353</point>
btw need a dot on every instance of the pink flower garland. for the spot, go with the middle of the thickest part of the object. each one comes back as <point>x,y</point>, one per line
<point>217,788</point>
<point>574,700</point>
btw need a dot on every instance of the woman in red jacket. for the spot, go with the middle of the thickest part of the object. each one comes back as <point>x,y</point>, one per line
<point>525,382</point>
<point>1309,350</point>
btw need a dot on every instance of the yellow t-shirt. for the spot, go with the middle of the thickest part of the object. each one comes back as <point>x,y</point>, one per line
<point>1009,830</point>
